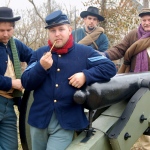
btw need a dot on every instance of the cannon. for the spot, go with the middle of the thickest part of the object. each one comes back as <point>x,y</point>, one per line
<point>119,113</point>
<point>122,86</point>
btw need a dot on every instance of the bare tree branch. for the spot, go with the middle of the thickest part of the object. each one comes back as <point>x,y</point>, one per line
<point>32,2</point>
<point>7,3</point>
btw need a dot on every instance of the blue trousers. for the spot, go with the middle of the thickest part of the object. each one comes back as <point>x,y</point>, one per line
<point>8,125</point>
<point>52,138</point>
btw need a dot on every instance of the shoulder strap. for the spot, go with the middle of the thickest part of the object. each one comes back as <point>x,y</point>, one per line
<point>17,67</point>
<point>92,41</point>
<point>88,40</point>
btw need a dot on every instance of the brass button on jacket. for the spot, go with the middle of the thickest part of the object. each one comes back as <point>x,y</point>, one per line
<point>58,69</point>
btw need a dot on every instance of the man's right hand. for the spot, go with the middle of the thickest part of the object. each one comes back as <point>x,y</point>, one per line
<point>16,84</point>
<point>46,60</point>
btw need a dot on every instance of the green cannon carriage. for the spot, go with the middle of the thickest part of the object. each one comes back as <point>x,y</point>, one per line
<point>118,112</point>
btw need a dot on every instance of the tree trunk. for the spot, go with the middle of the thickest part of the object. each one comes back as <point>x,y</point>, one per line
<point>103,8</point>
<point>146,3</point>
<point>49,6</point>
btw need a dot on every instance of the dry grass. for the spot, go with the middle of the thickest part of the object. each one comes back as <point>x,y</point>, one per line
<point>19,142</point>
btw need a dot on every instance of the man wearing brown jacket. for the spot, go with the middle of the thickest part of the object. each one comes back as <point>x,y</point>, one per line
<point>135,48</point>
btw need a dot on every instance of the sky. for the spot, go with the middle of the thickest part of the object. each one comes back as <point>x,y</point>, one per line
<point>21,4</point>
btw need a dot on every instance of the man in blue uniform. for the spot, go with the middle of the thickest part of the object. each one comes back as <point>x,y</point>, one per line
<point>55,72</point>
<point>12,51</point>
<point>91,34</point>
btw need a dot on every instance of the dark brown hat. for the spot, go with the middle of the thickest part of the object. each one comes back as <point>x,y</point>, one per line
<point>144,11</point>
<point>92,11</point>
<point>6,14</point>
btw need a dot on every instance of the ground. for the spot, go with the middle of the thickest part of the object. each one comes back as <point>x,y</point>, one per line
<point>19,142</point>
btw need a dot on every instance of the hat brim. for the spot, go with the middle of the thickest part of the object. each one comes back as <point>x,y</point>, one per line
<point>144,14</point>
<point>84,14</point>
<point>56,24</point>
<point>10,19</point>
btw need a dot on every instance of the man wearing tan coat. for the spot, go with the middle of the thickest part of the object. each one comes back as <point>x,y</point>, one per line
<point>135,48</point>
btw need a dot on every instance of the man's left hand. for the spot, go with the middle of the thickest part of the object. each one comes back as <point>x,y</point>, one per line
<point>77,80</point>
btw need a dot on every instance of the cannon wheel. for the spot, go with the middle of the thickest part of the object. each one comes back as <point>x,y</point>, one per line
<point>23,125</point>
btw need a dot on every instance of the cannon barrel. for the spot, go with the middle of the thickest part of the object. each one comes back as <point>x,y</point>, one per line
<point>120,87</point>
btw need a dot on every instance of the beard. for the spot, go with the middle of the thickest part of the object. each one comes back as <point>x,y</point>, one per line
<point>59,45</point>
<point>90,28</point>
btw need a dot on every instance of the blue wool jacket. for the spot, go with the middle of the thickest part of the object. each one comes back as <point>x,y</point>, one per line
<point>24,54</point>
<point>52,92</point>
<point>102,42</point>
